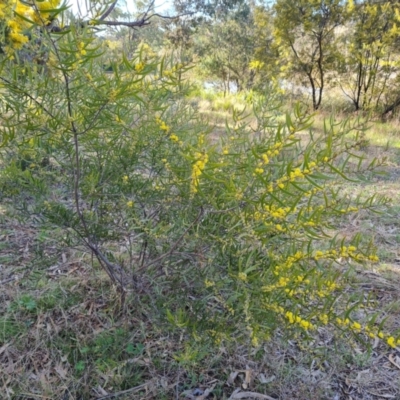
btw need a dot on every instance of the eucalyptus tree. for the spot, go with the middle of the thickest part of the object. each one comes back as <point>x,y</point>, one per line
<point>225,50</point>
<point>305,32</point>
<point>369,60</point>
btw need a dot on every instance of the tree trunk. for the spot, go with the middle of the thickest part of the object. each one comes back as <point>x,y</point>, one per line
<point>392,107</point>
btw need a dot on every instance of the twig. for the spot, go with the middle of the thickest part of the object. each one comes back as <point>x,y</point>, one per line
<point>131,390</point>
<point>109,11</point>
<point>175,245</point>
<point>143,21</point>
<point>25,93</point>
<point>13,278</point>
<point>236,395</point>
<point>110,268</point>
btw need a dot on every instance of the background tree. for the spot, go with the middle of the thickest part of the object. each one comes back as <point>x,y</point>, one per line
<point>304,33</point>
<point>214,9</point>
<point>225,50</point>
<point>265,56</point>
<point>367,60</point>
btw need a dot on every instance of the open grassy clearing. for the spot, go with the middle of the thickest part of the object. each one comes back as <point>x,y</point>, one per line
<point>66,333</point>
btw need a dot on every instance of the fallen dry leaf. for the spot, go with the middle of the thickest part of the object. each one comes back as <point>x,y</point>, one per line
<point>198,394</point>
<point>4,347</point>
<point>100,391</point>
<point>393,361</point>
<point>61,371</point>
<point>247,378</point>
<point>263,379</point>
<point>249,395</point>
<point>206,393</point>
<point>232,377</point>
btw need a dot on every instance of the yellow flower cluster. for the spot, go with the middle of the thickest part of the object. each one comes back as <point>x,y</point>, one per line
<point>139,67</point>
<point>275,150</point>
<point>370,332</point>
<point>46,5</point>
<point>81,48</point>
<point>3,9</point>
<point>165,128</point>
<point>272,211</point>
<point>350,252</point>
<point>201,139</point>
<point>296,319</point>
<point>256,65</point>
<point>324,318</point>
<point>288,262</point>
<point>197,170</point>
<point>344,323</point>
<point>283,270</point>
<point>265,157</point>
<point>242,276</point>
<point>171,72</point>
<point>296,283</point>
<point>162,125</point>
<point>327,254</point>
<point>17,14</point>
<point>345,252</point>
<point>277,212</point>
<point>209,283</point>
<point>147,50</point>
<point>293,175</point>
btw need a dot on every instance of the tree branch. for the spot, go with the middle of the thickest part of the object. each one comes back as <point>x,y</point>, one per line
<point>109,11</point>
<point>174,246</point>
<point>142,21</point>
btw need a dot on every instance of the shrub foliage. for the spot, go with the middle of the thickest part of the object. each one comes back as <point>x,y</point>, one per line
<point>233,232</point>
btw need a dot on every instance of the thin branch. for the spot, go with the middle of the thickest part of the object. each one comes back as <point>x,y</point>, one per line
<point>173,16</point>
<point>94,119</point>
<point>110,268</point>
<point>23,92</point>
<point>8,280</point>
<point>109,11</point>
<point>142,21</point>
<point>133,24</point>
<point>175,245</point>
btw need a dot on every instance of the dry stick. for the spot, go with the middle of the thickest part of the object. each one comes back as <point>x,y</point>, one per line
<point>144,20</point>
<point>13,278</point>
<point>175,245</point>
<point>249,395</point>
<point>131,390</point>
